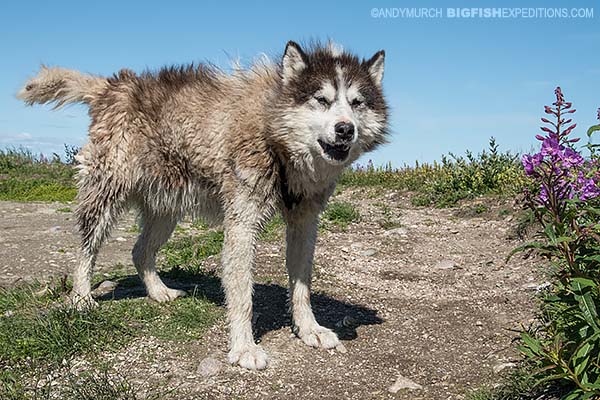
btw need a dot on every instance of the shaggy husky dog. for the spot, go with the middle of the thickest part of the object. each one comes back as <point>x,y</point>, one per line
<point>231,148</point>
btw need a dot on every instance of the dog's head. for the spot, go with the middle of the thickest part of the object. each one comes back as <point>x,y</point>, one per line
<point>331,104</point>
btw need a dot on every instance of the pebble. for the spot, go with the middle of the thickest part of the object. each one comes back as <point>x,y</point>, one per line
<point>121,239</point>
<point>341,348</point>
<point>105,287</point>
<point>538,287</point>
<point>402,232</point>
<point>403,383</point>
<point>209,367</point>
<point>369,252</point>
<point>501,367</point>
<point>54,229</point>
<point>446,264</point>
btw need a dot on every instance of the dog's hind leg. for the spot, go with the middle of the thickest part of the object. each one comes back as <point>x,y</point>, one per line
<point>98,210</point>
<point>156,231</point>
<point>241,224</point>
<point>301,235</point>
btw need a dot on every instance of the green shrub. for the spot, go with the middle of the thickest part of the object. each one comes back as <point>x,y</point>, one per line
<point>565,200</point>
<point>341,214</point>
<point>444,184</point>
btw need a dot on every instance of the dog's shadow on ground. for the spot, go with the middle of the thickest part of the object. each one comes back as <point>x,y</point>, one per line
<point>270,302</point>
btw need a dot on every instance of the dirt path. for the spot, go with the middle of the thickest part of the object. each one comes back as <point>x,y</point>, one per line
<point>429,298</point>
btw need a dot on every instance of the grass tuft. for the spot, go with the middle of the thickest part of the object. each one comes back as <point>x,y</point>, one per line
<point>341,214</point>
<point>188,252</point>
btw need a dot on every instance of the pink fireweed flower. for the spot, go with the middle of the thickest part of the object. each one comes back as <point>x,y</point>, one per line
<point>560,99</point>
<point>560,170</point>
<point>551,146</point>
<point>571,158</point>
<point>549,110</point>
<point>531,162</point>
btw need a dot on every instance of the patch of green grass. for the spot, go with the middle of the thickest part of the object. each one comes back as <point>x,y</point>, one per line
<point>37,327</point>
<point>64,210</point>
<point>188,252</point>
<point>518,385</point>
<point>36,190</point>
<point>28,177</point>
<point>273,230</point>
<point>200,225</point>
<point>481,208</point>
<point>186,320</point>
<point>341,214</point>
<point>134,228</point>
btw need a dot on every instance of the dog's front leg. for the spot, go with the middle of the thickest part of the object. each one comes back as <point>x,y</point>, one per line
<point>241,225</point>
<point>301,235</point>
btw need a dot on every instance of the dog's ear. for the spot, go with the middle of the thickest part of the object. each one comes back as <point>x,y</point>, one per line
<point>375,67</point>
<point>294,61</point>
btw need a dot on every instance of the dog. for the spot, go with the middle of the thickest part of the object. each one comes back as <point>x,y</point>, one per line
<point>232,148</point>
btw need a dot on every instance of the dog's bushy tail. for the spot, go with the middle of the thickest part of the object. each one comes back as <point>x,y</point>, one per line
<point>61,86</point>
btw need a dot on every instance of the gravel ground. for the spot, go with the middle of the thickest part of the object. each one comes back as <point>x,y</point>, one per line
<point>423,299</point>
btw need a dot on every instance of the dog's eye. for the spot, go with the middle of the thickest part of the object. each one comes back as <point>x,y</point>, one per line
<point>356,103</point>
<point>322,100</point>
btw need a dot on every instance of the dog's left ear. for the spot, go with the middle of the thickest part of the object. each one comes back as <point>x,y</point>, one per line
<point>294,61</point>
<point>375,67</point>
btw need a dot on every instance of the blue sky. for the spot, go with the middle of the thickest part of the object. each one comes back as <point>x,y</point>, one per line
<point>451,83</point>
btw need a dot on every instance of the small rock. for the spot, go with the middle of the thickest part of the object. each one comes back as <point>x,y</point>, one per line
<point>341,348</point>
<point>402,232</point>
<point>538,287</point>
<point>478,323</point>
<point>105,287</point>
<point>54,229</point>
<point>446,264</point>
<point>369,252</point>
<point>121,239</point>
<point>209,367</point>
<point>501,367</point>
<point>9,313</point>
<point>403,383</point>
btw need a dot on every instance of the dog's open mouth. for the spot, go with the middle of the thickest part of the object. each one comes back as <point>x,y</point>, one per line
<point>338,152</point>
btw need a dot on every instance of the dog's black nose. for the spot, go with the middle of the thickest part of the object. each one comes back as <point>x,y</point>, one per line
<point>344,131</point>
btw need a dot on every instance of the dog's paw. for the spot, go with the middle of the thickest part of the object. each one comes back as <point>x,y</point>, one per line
<point>81,303</point>
<point>319,336</point>
<point>251,357</point>
<point>164,294</point>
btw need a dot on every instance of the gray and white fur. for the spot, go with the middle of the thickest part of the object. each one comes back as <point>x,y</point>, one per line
<point>230,148</point>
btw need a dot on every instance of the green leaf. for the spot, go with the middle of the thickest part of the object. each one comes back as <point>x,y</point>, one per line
<point>542,247</point>
<point>584,282</point>
<point>549,378</point>
<point>593,129</point>
<point>586,303</point>
<point>574,395</point>
<point>533,344</point>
